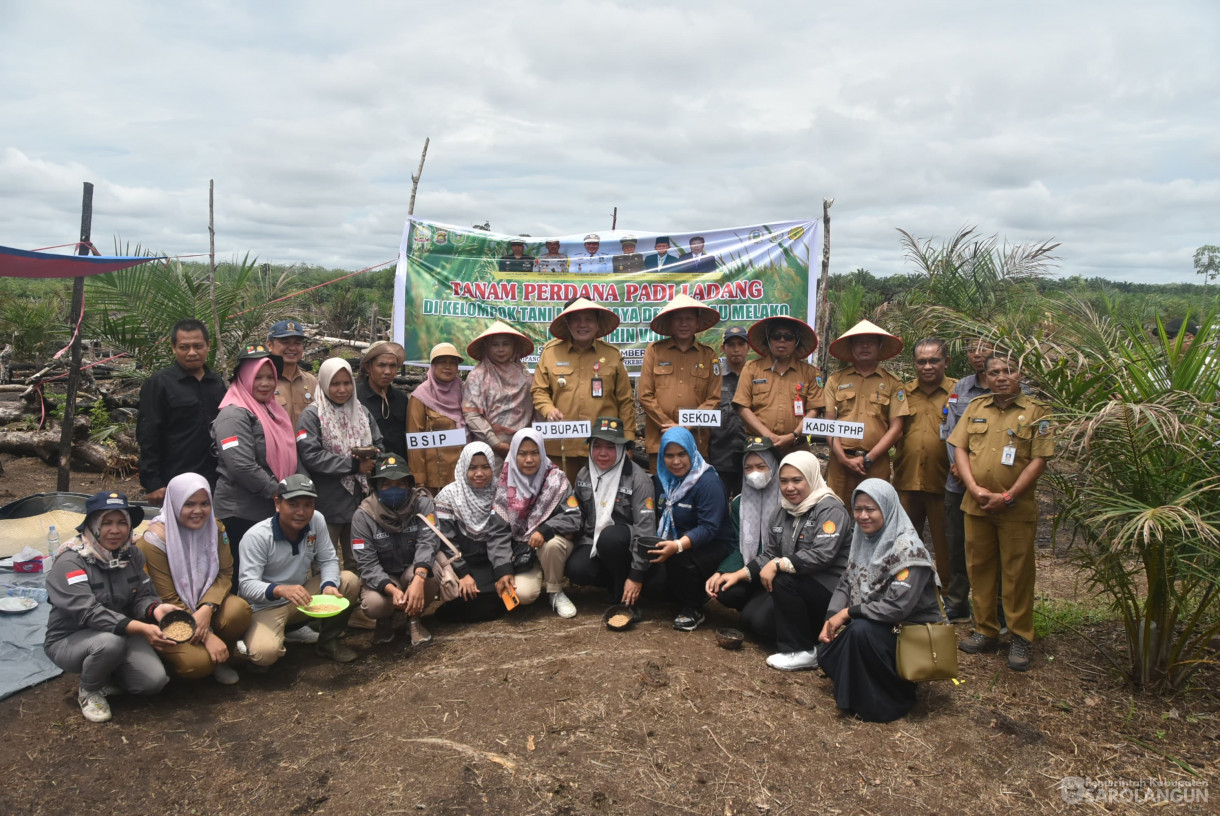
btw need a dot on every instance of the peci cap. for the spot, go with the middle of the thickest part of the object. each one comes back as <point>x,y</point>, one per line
<point>298,484</point>
<point>285,328</point>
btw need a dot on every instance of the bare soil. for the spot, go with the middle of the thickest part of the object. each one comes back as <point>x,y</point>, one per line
<point>538,715</point>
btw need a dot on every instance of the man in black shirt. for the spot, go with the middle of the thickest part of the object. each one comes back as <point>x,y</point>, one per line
<point>728,441</point>
<point>177,406</point>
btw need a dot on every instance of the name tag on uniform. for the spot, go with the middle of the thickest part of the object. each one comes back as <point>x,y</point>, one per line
<point>798,407</point>
<point>760,381</point>
<point>436,439</point>
<point>596,385</point>
<point>1009,456</point>
<point>694,418</point>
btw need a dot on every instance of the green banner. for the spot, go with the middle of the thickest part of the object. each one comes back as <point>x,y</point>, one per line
<point>453,282</point>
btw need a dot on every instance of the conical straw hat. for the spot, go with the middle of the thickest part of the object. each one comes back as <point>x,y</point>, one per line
<point>525,346</point>
<point>891,346</point>
<point>707,316</point>
<point>607,321</point>
<point>807,338</point>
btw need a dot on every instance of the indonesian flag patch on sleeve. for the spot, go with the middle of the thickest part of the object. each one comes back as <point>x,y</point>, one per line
<point>301,434</point>
<point>76,576</point>
<point>230,442</point>
<point>357,543</point>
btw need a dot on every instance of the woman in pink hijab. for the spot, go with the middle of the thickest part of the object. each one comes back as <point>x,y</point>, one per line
<point>255,445</point>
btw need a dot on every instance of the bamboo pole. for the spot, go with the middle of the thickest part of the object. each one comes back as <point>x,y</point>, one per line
<point>823,306</point>
<point>220,346</point>
<point>64,477</point>
<point>416,176</point>
<point>614,219</point>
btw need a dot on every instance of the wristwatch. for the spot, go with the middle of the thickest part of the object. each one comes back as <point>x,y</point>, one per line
<point>868,463</point>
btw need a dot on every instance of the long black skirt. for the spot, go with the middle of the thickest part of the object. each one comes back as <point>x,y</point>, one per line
<point>861,662</point>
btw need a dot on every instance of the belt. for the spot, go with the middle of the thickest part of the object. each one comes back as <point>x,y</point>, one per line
<point>854,452</point>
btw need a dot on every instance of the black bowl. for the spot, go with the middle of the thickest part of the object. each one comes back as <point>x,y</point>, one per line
<point>179,616</point>
<point>646,543</point>
<point>727,638</point>
<point>619,609</point>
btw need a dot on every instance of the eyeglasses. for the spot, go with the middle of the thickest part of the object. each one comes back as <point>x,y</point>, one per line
<point>783,337</point>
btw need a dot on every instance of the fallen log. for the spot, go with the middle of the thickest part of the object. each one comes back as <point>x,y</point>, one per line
<point>45,446</point>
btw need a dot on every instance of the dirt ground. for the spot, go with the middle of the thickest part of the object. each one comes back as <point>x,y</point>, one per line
<point>537,715</point>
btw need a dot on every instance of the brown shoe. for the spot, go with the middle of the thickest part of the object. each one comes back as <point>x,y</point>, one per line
<point>978,643</point>
<point>1018,654</point>
<point>419,635</point>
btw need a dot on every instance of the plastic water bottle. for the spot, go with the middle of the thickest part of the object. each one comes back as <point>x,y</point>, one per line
<point>37,593</point>
<point>52,546</point>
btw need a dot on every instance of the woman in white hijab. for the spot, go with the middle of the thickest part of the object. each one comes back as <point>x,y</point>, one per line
<point>751,512</point>
<point>328,430</point>
<point>802,559</point>
<point>889,579</point>
<point>191,566</point>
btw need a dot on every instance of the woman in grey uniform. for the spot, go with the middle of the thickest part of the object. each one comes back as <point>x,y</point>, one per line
<point>104,610</point>
<point>326,433</point>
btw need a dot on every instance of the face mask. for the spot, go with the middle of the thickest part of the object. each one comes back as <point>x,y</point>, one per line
<point>393,497</point>
<point>758,479</point>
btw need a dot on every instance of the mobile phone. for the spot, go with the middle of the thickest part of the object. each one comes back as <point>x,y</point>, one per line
<point>509,596</point>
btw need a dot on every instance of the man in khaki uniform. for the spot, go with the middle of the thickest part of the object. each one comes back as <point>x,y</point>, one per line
<point>864,392</point>
<point>779,389</point>
<point>678,372</point>
<point>921,461</point>
<point>1002,443</point>
<point>580,377</point>
<point>297,388</point>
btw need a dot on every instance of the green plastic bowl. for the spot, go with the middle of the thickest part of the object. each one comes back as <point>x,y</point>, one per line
<point>335,606</point>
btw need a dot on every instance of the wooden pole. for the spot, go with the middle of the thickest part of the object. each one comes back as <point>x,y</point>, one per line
<point>216,337</point>
<point>415,177</point>
<point>614,219</point>
<point>823,306</point>
<point>64,480</point>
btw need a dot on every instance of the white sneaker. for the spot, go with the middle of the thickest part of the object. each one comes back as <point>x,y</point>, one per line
<point>110,690</point>
<point>94,706</point>
<point>302,635</point>
<point>794,661</point>
<point>563,605</point>
<point>225,674</point>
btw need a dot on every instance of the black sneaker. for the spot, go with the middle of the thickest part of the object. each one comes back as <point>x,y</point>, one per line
<point>957,614</point>
<point>978,643</point>
<point>688,619</point>
<point>1018,654</point>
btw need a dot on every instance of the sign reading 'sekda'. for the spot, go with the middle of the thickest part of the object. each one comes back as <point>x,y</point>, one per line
<point>697,418</point>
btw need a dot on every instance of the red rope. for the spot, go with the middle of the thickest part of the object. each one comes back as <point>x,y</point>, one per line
<point>320,285</point>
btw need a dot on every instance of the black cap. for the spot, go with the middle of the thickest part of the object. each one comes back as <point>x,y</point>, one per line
<point>99,502</point>
<point>298,484</point>
<point>257,351</point>
<point>611,429</point>
<point>285,328</point>
<point>758,443</point>
<point>392,466</point>
<point>736,331</point>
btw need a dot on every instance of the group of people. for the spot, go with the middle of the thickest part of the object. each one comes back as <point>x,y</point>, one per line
<point>308,489</point>
<point>596,261</point>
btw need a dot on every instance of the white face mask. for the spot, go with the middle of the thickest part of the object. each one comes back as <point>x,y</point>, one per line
<point>758,479</point>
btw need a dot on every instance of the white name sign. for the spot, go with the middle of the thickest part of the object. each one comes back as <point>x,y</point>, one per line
<point>436,439</point>
<point>816,426</point>
<point>579,429</point>
<point>695,418</point>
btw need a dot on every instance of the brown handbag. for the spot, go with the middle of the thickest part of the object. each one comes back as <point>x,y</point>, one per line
<point>927,651</point>
<point>442,567</point>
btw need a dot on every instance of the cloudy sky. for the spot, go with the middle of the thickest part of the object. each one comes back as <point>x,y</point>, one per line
<point>1092,124</point>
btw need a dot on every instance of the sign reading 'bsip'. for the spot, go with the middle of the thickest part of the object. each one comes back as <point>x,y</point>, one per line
<point>695,418</point>
<point>436,439</point>
<point>564,430</point>
<point>815,426</point>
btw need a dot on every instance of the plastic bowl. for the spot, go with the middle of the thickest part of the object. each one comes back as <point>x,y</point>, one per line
<point>334,605</point>
<point>729,638</point>
<point>619,609</point>
<point>646,543</point>
<point>178,616</point>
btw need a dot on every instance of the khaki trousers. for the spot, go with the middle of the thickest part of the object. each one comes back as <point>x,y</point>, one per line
<point>377,605</point>
<point>553,556</point>
<point>844,482</point>
<point>922,506</point>
<point>191,660</point>
<point>265,637</point>
<point>994,545</point>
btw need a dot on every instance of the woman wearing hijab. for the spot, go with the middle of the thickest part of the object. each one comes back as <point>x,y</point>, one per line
<point>394,550</point>
<point>617,510</point>
<point>496,399</point>
<point>694,526</point>
<point>534,499</point>
<point>188,558</point>
<point>328,430</point>
<point>752,512</point>
<point>255,443</point>
<point>376,392</point>
<point>436,405</point>
<point>104,609</point>
<point>802,559</point>
<point>890,579</point>
<point>464,516</point>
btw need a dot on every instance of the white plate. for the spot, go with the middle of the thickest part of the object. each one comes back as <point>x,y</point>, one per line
<point>14,605</point>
